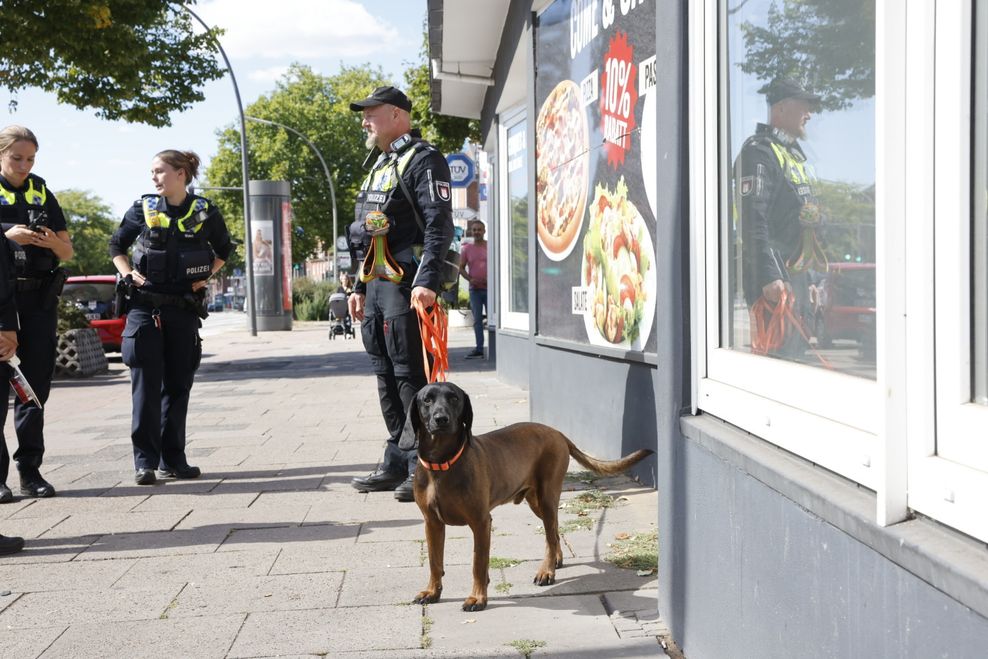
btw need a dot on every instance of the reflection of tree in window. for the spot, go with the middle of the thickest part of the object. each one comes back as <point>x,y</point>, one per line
<point>519,254</point>
<point>827,44</point>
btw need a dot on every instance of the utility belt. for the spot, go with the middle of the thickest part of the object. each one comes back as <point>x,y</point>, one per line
<point>194,302</point>
<point>49,287</point>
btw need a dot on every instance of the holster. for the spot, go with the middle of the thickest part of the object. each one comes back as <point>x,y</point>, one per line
<point>121,295</point>
<point>196,301</point>
<point>53,289</point>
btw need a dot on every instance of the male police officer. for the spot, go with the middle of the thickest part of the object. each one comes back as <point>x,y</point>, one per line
<point>776,207</point>
<point>402,230</point>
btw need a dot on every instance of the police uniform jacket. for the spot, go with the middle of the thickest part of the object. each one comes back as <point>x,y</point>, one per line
<point>8,308</point>
<point>426,175</point>
<point>772,188</point>
<point>213,234</point>
<point>17,205</point>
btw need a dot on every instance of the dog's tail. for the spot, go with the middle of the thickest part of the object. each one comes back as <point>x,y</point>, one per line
<point>607,467</point>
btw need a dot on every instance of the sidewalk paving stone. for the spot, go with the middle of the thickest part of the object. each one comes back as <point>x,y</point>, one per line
<point>272,552</point>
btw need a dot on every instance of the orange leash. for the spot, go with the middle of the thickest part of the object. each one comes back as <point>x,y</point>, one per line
<point>769,325</point>
<point>434,329</point>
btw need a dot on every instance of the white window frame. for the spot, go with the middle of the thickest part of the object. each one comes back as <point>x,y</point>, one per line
<point>832,419</point>
<point>948,461</point>
<point>511,320</point>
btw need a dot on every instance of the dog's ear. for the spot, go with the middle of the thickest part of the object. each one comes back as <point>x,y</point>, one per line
<point>410,432</point>
<point>467,415</point>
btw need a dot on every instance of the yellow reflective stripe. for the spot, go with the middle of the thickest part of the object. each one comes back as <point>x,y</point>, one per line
<point>32,196</point>
<point>383,178</point>
<point>794,169</point>
<point>154,218</point>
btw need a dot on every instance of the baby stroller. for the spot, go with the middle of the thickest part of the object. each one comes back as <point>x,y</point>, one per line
<point>339,317</point>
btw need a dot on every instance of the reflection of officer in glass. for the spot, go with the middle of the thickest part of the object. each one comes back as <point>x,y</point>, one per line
<point>35,226</point>
<point>181,240</point>
<point>389,324</point>
<point>777,210</point>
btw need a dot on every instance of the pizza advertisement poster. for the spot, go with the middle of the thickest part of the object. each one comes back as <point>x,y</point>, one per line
<point>595,173</point>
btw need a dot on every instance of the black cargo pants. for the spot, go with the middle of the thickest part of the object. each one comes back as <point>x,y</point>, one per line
<point>390,333</point>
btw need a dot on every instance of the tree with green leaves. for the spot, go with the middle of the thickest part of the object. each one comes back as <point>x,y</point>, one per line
<point>318,107</point>
<point>90,224</point>
<point>828,45</point>
<point>136,60</point>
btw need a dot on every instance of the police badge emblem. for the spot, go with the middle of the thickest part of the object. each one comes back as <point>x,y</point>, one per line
<point>747,185</point>
<point>442,189</point>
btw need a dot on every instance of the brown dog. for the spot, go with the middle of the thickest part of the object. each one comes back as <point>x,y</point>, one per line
<point>461,478</point>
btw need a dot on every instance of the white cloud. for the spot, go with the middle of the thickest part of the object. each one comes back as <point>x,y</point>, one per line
<point>268,74</point>
<point>297,29</point>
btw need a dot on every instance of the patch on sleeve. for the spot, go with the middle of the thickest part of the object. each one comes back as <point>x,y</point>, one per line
<point>442,189</point>
<point>747,185</point>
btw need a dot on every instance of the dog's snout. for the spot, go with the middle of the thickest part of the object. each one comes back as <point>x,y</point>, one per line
<point>441,418</point>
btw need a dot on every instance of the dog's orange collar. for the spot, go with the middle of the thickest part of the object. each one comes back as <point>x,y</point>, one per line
<point>443,466</point>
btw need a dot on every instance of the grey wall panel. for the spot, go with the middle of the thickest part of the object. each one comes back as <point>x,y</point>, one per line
<point>759,576</point>
<point>514,354</point>
<point>606,407</point>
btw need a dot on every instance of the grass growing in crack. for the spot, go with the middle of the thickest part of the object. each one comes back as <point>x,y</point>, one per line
<point>498,563</point>
<point>569,526</point>
<point>585,502</point>
<point>637,552</point>
<point>426,629</point>
<point>585,477</point>
<point>504,588</point>
<point>526,646</point>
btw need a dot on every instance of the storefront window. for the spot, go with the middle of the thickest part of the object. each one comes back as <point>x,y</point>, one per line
<point>980,204</point>
<point>518,207</point>
<point>797,201</point>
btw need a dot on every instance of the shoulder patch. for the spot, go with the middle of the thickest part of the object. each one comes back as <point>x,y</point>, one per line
<point>442,190</point>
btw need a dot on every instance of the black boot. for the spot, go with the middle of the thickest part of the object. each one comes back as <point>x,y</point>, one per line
<point>6,496</point>
<point>10,545</point>
<point>405,491</point>
<point>33,485</point>
<point>378,481</point>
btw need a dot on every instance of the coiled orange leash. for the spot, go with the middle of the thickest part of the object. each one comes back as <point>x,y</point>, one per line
<point>434,330</point>
<point>769,325</point>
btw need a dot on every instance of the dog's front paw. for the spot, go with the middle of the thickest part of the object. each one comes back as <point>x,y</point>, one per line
<point>474,604</point>
<point>544,578</point>
<point>427,597</point>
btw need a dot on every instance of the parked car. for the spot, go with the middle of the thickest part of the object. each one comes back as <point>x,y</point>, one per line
<point>94,294</point>
<point>215,305</point>
<point>846,309</point>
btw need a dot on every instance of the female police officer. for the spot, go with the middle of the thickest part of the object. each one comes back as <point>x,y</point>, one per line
<point>33,222</point>
<point>181,240</point>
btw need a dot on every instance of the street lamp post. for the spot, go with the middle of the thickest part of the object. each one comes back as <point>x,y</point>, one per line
<point>249,245</point>
<point>329,179</point>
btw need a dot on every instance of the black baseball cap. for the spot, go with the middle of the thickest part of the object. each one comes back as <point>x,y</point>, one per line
<point>383,95</point>
<point>783,88</point>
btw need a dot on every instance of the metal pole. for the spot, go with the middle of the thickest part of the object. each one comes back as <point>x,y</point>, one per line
<point>329,179</point>
<point>248,243</point>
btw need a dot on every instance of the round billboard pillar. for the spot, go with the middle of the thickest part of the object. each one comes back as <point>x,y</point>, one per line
<point>271,233</point>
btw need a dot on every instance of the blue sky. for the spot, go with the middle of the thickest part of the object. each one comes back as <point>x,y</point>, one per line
<point>112,159</point>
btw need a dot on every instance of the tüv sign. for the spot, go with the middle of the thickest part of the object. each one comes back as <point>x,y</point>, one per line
<point>461,170</point>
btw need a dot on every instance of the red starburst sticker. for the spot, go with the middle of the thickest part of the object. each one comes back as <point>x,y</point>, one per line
<point>618,97</point>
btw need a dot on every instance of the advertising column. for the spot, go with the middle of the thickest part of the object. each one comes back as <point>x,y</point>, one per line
<point>595,180</point>
<point>272,265</point>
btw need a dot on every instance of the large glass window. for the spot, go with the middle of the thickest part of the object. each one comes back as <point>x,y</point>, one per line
<point>514,221</point>
<point>797,172</point>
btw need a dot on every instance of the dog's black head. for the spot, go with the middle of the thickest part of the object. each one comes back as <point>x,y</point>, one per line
<point>439,410</point>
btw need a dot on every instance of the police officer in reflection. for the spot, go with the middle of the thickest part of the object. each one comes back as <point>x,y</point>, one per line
<point>402,230</point>
<point>778,211</point>
<point>180,240</point>
<point>35,226</point>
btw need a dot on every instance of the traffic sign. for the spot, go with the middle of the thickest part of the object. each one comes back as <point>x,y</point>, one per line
<point>461,169</point>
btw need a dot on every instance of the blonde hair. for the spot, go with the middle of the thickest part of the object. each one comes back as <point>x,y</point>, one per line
<point>13,134</point>
<point>187,161</point>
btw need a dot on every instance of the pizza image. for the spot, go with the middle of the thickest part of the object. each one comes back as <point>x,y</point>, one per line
<point>563,169</point>
<point>618,270</point>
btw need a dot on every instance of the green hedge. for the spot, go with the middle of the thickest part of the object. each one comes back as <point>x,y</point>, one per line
<point>310,299</point>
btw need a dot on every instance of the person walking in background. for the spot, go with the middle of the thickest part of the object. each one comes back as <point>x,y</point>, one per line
<point>404,208</point>
<point>473,266</point>
<point>181,241</point>
<point>35,226</point>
